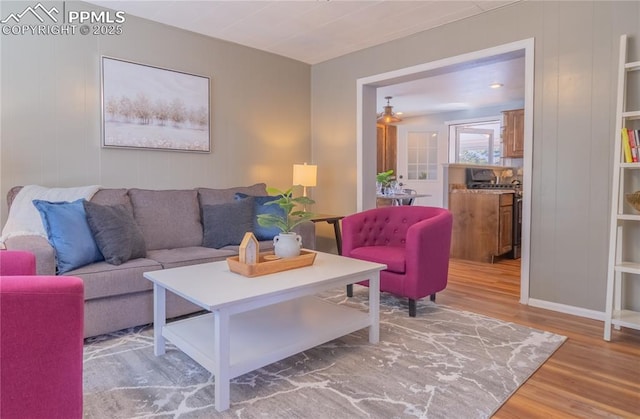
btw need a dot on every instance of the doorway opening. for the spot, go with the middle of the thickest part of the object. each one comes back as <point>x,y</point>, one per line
<point>366,114</point>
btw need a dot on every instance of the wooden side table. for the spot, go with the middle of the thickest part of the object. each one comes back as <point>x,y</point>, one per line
<point>335,220</point>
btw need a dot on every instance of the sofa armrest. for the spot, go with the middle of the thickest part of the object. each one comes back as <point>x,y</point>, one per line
<point>307,230</point>
<point>40,247</point>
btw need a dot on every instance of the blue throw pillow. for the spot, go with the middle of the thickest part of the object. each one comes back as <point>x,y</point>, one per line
<point>69,233</point>
<point>264,233</point>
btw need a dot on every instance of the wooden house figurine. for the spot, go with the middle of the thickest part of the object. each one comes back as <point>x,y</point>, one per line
<point>249,249</point>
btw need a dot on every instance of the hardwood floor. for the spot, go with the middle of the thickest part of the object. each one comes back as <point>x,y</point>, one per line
<point>586,377</point>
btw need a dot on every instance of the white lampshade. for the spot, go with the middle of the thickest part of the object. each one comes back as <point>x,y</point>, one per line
<point>305,174</point>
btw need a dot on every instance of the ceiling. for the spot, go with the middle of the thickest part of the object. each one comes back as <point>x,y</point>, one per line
<point>315,31</point>
<point>460,87</point>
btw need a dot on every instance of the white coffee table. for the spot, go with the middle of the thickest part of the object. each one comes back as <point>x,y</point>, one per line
<point>254,322</point>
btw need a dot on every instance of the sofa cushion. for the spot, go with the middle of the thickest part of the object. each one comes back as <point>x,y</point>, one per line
<point>393,257</point>
<point>102,279</point>
<point>260,206</point>
<point>168,218</point>
<point>118,236</point>
<point>226,224</point>
<point>208,196</point>
<point>113,197</point>
<point>69,234</point>
<point>171,258</point>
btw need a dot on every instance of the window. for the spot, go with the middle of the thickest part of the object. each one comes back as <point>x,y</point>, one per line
<point>422,155</point>
<point>476,143</point>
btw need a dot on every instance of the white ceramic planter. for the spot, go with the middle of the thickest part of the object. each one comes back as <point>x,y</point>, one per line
<point>287,245</point>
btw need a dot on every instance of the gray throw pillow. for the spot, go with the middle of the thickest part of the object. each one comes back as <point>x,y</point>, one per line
<point>116,233</point>
<point>226,224</point>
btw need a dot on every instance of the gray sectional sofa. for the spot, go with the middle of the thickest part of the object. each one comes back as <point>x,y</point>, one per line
<point>118,296</point>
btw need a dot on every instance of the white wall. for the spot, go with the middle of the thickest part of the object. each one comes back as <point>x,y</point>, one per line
<point>576,46</point>
<point>50,116</point>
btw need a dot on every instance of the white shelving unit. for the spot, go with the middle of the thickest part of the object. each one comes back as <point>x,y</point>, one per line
<point>624,241</point>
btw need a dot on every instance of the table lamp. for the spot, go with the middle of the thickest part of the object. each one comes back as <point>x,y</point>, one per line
<point>305,175</point>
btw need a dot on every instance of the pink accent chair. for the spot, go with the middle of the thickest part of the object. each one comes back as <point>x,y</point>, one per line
<point>413,241</point>
<point>41,338</point>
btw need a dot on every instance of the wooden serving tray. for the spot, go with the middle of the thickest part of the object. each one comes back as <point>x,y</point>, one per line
<point>265,267</point>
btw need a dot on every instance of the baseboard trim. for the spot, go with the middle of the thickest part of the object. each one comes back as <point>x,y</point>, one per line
<point>563,308</point>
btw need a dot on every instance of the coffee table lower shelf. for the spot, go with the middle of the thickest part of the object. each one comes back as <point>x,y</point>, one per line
<point>266,335</point>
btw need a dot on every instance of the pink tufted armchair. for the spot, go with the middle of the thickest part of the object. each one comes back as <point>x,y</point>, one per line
<point>41,337</point>
<point>413,241</point>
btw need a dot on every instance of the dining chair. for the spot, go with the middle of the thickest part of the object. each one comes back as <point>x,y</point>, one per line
<point>407,201</point>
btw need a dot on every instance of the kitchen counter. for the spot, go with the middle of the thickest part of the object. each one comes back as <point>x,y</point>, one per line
<point>482,223</point>
<point>483,191</point>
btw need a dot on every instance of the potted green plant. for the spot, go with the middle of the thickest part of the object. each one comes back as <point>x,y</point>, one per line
<point>287,243</point>
<point>383,180</point>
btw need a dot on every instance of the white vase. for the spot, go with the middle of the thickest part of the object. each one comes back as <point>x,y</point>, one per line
<point>287,245</point>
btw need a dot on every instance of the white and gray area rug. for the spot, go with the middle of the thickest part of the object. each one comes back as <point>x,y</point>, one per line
<point>444,363</point>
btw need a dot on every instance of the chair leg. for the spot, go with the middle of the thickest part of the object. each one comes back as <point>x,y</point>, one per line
<point>412,307</point>
<point>350,290</point>
<point>432,297</point>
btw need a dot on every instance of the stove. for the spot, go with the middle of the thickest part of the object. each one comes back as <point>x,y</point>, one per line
<point>486,179</point>
<point>484,185</point>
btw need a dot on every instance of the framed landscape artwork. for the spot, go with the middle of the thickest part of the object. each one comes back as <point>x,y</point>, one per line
<point>146,107</point>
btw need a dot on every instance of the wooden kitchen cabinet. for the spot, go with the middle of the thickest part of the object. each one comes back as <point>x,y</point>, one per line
<point>513,133</point>
<point>505,225</point>
<point>387,148</point>
<point>482,224</point>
